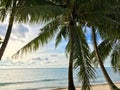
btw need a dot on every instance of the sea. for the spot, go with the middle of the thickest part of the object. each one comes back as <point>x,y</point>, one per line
<point>45,78</point>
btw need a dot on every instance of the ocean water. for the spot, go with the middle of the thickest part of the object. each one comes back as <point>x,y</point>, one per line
<point>44,78</point>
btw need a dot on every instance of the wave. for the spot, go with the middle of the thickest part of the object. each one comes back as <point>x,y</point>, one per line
<point>35,81</point>
<point>51,79</point>
<point>41,88</point>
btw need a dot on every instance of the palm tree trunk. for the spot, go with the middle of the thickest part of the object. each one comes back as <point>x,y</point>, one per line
<point>7,36</point>
<point>70,72</point>
<point>70,68</point>
<point>111,84</point>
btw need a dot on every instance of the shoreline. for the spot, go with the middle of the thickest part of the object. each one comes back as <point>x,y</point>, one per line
<point>103,86</point>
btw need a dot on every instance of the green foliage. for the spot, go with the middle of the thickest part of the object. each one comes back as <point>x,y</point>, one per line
<point>107,22</point>
<point>63,33</point>
<point>105,47</point>
<point>46,34</point>
<point>103,14</point>
<point>63,28</point>
<point>109,48</point>
<point>115,61</point>
<point>29,10</point>
<point>115,55</point>
<point>82,58</point>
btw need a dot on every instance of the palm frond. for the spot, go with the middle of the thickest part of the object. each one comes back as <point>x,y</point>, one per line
<point>105,25</point>
<point>115,60</point>
<point>62,34</point>
<point>42,13</point>
<point>105,47</point>
<point>4,8</point>
<point>2,13</point>
<point>82,59</point>
<point>67,48</point>
<point>31,10</point>
<point>111,20</point>
<point>115,56</point>
<point>103,14</point>
<point>46,34</point>
<point>107,18</point>
<point>38,10</point>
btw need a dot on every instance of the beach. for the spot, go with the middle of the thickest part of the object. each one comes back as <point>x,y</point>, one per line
<point>95,87</point>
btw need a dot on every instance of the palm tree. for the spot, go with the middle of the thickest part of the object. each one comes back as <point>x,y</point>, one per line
<point>108,20</point>
<point>111,84</point>
<point>94,12</point>
<point>108,47</point>
<point>25,11</point>
<point>66,25</point>
<point>107,23</point>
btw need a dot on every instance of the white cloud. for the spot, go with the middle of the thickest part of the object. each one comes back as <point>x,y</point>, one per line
<point>20,30</point>
<point>2,29</point>
<point>42,63</point>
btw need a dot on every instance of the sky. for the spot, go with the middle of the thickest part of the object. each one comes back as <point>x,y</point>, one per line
<point>45,57</point>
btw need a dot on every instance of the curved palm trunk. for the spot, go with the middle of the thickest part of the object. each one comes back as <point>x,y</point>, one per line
<point>7,36</point>
<point>111,84</point>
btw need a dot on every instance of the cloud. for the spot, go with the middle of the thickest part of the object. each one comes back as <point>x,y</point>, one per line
<point>37,58</point>
<point>20,31</point>
<point>3,29</point>
<point>6,63</point>
<point>17,39</point>
<point>54,55</point>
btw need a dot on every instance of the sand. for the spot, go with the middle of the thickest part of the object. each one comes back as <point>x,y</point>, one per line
<point>96,87</point>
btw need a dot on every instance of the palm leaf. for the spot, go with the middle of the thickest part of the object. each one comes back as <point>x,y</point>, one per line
<point>62,34</point>
<point>41,13</point>
<point>46,34</point>
<point>82,58</point>
<point>4,8</point>
<point>115,60</point>
<point>31,10</point>
<point>105,47</point>
<point>115,55</point>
